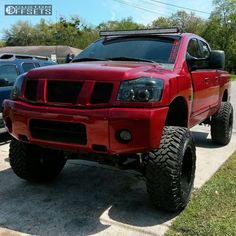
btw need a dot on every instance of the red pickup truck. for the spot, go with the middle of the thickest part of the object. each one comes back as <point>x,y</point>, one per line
<point>129,100</point>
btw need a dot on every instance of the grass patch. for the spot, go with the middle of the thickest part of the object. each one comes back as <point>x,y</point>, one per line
<point>233,77</point>
<point>212,210</point>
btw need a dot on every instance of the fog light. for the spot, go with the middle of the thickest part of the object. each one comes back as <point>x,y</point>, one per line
<point>124,136</point>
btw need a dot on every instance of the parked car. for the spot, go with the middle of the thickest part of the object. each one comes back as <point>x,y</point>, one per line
<point>129,100</point>
<point>12,65</point>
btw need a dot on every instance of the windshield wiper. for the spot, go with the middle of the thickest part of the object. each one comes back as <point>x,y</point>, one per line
<point>88,59</point>
<point>130,59</point>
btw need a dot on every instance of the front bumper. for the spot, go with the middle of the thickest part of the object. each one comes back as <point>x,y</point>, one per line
<point>101,125</point>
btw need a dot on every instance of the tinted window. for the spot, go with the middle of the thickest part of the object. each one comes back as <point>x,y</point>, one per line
<point>27,66</point>
<point>194,48</point>
<point>199,49</point>
<point>8,74</point>
<point>205,54</point>
<point>205,49</point>
<point>160,49</point>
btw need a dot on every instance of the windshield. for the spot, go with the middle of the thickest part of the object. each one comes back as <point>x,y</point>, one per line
<point>162,50</point>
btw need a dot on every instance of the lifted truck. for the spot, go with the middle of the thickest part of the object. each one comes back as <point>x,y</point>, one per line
<point>128,99</point>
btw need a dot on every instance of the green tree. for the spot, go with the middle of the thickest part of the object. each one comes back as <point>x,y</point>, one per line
<point>41,33</point>
<point>63,32</point>
<point>87,36</point>
<point>186,22</point>
<point>20,34</point>
<point>220,30</point>
<point>224,9</point>
<point>211,32</point>
<point>124,24</point>
<point>162,22</point>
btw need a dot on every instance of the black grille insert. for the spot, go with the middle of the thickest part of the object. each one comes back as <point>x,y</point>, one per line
<point>63,91</point>
<point>31,90</point>
<point>58,131</point>
<point>101,93</point>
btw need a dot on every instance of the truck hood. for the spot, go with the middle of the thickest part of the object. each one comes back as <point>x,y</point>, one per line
<point>100,71</point>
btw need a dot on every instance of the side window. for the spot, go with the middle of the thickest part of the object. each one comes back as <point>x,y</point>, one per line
<point>8,74</point>
<point>27,66</point>
<point>194,49</point>
<point>199,49</point>
<point>205,49</point>
<point>206,54</point>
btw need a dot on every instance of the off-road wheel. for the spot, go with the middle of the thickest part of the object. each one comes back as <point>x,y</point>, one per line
<point>222,124</point>
<point>34,163</point>
<point>170,170</point>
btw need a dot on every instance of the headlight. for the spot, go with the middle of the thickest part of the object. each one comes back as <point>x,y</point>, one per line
<point>143,89</point>
<point>16,89</point>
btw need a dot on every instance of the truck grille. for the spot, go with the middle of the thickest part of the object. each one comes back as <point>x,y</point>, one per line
<point>101,93</point>
<point>31,90</point>
<point>67,93</point>
<point>57,131</point>
<point>63,91</point>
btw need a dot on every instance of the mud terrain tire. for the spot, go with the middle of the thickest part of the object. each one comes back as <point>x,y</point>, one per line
<point>34,163</point>
<point>170,170</point>
<point>222,124</point>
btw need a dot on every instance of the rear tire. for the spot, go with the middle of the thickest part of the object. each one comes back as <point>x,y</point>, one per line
<point>170,170</point>
<point>34,163</point>
<point>222,124</point>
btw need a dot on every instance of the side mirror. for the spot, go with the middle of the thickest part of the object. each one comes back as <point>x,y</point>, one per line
<point>192,62</point>
<point>217,59</point>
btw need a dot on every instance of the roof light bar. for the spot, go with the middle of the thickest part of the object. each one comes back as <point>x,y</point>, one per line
<point>170,30</point>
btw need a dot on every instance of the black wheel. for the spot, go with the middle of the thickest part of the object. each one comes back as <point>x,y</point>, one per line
<point>222,124</point>
<point>34,163</point>
<point>170,170</point>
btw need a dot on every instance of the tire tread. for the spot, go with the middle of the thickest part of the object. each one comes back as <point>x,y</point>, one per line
<point>162,171</point>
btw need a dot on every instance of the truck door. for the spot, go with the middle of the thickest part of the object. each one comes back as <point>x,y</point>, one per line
<point>214,87</point>
<point>200,81</point>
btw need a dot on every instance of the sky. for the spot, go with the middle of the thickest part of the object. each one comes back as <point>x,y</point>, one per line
<point>93,12</point>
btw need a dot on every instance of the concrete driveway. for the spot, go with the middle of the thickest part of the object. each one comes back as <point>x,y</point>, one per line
<point>90,199</point>
<point>233,100</point>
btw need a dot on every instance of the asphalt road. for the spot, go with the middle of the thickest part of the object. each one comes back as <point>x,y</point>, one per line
<point>90,199</point>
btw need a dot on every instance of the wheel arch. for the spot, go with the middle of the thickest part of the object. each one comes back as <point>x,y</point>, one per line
<point>178,113</point>
<point>225,96</point>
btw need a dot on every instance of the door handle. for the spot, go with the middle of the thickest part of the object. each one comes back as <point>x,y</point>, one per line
<point>206,80</point>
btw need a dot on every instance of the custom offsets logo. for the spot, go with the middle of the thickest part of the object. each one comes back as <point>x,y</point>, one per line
<point>28,10</point>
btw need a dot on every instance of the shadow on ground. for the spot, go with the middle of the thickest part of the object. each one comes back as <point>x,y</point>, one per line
<point>73,204</point>
<point>4,138</point>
